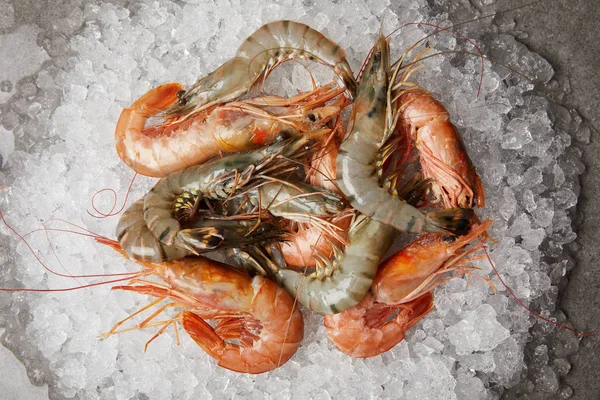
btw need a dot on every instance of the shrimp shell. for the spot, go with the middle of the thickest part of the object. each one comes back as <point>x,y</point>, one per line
<point>163,149</point>
<point>259,315</point>
<point>403,284</point>
<point>353,271</point>
<point>270,45</point>
<point>444,159</point>
<point>137,240</point>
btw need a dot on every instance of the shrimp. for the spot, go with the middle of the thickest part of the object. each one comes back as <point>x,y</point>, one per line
<point>220,179</point>
<point>402,285</point>
<point>444,159</point>
<point>252,311</point>
<point>357,156</point>
<point>303,247</point>
<point>341,284</point>
<point>162,149</point>
<point>271,45</point>
<point>138,242</point>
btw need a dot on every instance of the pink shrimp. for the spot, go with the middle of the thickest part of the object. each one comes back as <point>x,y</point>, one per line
<point>162,149</point>
<point>258,326</point>
<point>444,159</point>
<point>402,285</point>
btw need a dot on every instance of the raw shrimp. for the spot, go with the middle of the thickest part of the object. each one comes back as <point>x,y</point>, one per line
<point>401,286</point>
<point>356,160</point>
<point>220,179</point>
<point>162,149</point>
<point>254,312</point>
<point>343,283</point>
<point>259,54</point>
<point>444,159</point>
<point>308,242</point>
<point>203,236</point>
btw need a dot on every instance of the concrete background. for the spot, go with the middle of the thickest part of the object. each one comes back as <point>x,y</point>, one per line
<point>562,31</point>
<point>565,33</point>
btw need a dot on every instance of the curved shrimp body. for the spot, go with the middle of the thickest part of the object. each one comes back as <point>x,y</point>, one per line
<point>255,312</point>
<point>356,160</point>
<point>347,280</point>
<point>219,180</point>
<point>160,150</point>
<point>366,330</point>
<point>137,240</point>
<point>402,285</point>
<point>444,159</point>
<point>270,45</point>
<point>305,246</point>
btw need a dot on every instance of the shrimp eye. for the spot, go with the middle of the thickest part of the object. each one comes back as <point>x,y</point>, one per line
<point>450,239</point>
<point>182,100</point>
<point>283,135</point>
<point>312,117</point>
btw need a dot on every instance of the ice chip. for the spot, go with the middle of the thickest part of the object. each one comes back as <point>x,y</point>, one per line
<point>517,134</point>
<point>478,331</point>
<point>19,45</point>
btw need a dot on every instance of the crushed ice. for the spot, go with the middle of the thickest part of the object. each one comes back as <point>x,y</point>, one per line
<point>57,151</point>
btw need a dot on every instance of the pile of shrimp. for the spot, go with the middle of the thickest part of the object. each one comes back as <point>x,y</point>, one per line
<point>266,203</point>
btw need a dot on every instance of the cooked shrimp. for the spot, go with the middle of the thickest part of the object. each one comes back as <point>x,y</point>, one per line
<point>357,156</point>
<point>162,149</point>
<point>341,284</point>
<point>444,159</point>
<point>258,327</point>
<point>401,286</point>
<point>259,54</point>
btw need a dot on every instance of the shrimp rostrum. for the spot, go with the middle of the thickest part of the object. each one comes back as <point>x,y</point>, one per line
<point>256,326</point>
<point>356,164</point>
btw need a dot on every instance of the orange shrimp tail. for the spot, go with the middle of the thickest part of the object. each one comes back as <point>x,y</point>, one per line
<point>151,103</point>
<point>203,334</point>
<point>414,311</point>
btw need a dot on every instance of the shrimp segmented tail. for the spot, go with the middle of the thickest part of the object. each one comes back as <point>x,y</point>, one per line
<point>353,270</point>
<point>356,161</point>
<point>269,46</point>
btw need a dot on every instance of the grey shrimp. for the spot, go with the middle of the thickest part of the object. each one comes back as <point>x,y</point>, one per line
<point>138,242</point>
<point>357,156</point>
<point>220,179</point>
<point>271,45</point>
<point>343,283</point>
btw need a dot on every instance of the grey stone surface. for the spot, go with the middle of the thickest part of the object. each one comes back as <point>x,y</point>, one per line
<point>565,33</point>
